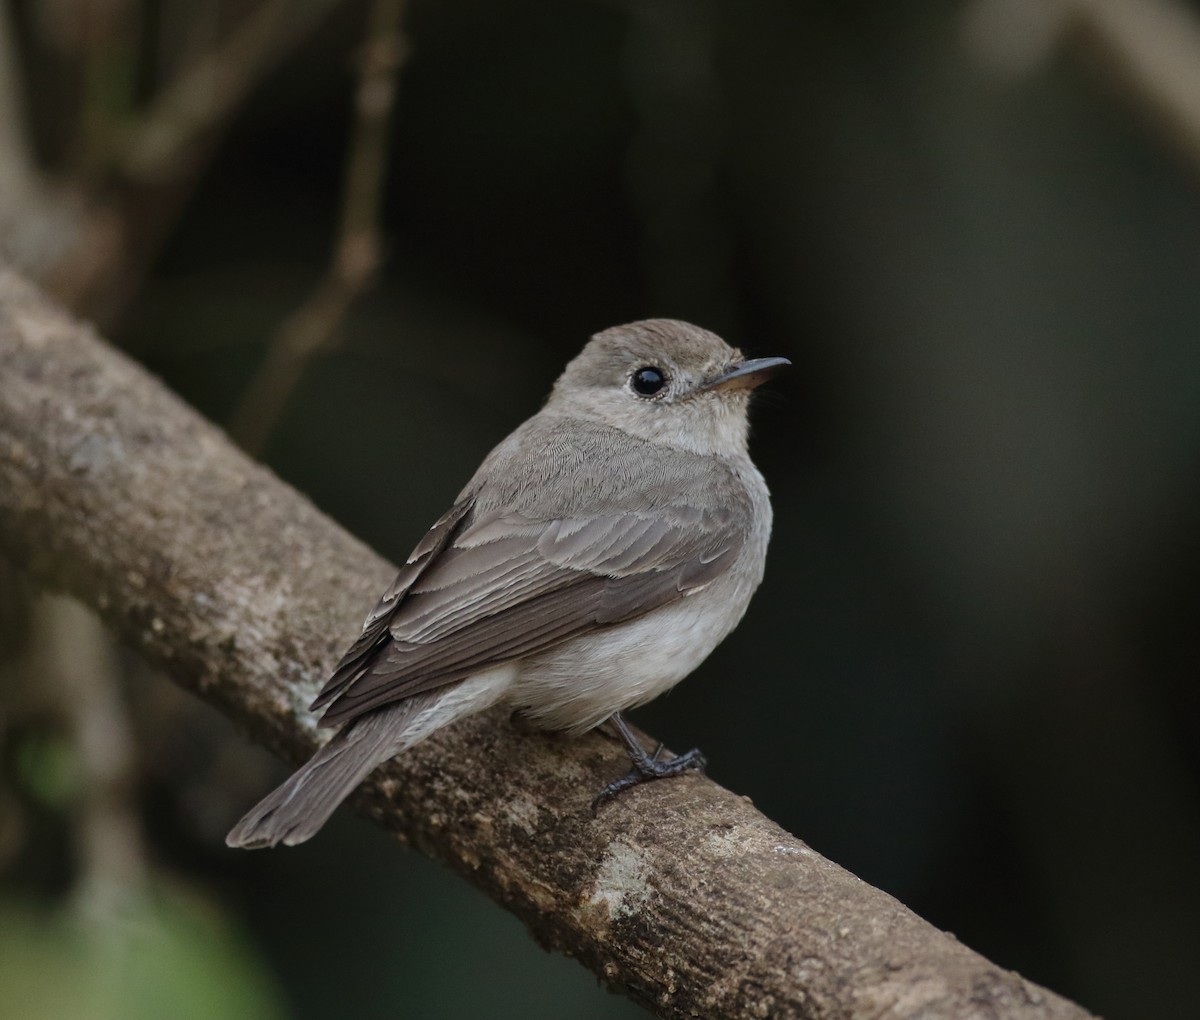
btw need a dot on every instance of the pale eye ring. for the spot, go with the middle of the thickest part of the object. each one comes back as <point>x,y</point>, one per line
<point>648,381</point>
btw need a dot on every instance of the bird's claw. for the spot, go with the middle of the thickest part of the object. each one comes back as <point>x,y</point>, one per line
<point>647,767</point>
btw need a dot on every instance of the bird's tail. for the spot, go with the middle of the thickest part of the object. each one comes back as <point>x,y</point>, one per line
<point>297,809</point>
<point>294,811</point>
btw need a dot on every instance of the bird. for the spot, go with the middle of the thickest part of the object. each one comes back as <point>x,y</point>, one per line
<point>597,556</point>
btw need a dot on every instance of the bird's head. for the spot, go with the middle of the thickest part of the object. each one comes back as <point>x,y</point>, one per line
<point>664,381</point>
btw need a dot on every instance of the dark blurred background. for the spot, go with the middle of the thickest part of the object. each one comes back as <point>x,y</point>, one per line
<point>971,673</point>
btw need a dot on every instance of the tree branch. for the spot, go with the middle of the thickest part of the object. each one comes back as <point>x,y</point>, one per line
<point>681,895</point>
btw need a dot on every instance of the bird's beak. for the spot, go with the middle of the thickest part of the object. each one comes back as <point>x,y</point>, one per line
<point>747,375</point>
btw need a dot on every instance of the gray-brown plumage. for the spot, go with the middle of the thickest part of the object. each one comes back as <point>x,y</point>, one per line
<point>596,557</point>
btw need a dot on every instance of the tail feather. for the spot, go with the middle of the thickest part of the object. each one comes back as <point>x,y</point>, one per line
<point>297,809</point>
<point>300,807</point>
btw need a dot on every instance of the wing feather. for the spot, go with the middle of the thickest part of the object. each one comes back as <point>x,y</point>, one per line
<point>375,628</point>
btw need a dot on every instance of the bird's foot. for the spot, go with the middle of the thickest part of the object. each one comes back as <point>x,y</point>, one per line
<point>645,766</point>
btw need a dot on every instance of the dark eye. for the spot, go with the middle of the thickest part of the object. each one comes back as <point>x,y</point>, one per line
<point>648,380</point>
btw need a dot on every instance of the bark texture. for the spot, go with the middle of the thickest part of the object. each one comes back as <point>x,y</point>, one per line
<point>680,895</point>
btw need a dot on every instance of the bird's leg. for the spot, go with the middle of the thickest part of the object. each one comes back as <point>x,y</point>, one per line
<point>645,766</point>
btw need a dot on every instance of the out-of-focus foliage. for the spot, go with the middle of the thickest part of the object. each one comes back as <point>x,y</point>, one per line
<point>170,953</point>
<point>971,674</point>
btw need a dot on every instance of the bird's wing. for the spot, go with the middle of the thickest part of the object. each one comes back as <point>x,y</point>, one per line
<point>500,585</point>
<point>375,628</point>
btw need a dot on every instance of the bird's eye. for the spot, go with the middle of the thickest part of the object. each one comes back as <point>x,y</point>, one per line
<point>648,380</point>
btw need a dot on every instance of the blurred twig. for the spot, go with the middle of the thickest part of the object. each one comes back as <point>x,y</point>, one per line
<point>34,218</point>
<point>107,35</point>
<point>207,93</point>
<point>356,254</point>
<point>92,239</point>
<point>1151,48</point>
<point>74,659</point>
<point>682,896</point>
<point>18,174</point>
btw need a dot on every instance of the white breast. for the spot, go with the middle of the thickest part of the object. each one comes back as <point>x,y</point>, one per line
<point>581,683</point>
